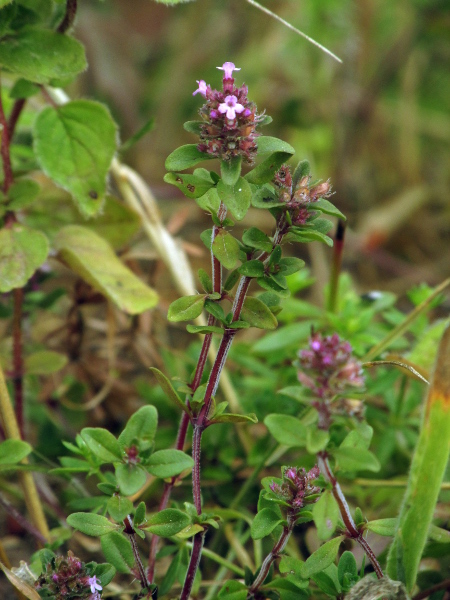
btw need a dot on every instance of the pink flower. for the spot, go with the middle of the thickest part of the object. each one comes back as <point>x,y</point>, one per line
<point>92,581</point>
<point>228,68</point>
<point>231,106</point>
<point>201,88</point>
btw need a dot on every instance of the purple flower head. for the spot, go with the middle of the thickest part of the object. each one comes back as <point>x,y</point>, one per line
<point>231,106</point>
<point>297,488</point>
<point>229,120</point>
<point>328,367</point>
<point>202,88</point>
<point>92,581</point>
<point>228,68</point>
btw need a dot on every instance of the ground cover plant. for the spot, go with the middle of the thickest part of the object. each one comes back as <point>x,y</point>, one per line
<point>305,462</point>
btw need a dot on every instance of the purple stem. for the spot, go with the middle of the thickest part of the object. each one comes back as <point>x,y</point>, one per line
<point>349,523</point>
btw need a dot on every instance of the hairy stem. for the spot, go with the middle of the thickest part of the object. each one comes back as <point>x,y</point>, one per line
<point>196,554</point>
<point>274,554</point>
<point>346,516</point>
<point>131,534</point>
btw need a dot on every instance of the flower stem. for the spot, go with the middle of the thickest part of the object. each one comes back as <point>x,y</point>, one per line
<point>344,509</point>
<point>274,554</point>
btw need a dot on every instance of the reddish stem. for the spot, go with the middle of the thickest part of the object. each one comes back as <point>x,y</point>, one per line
<point>14,115</point>
<point>349,523</point>
<point>196,555</point>
<point>6,158</point>
<point>18,359</point>
<point>278,548</point>
<point>131,534</point>
<point>69,17</point>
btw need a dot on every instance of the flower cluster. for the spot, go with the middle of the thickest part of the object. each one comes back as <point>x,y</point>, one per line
<point>328,367</point>
<point>229,119</point>
<point>298,197</point>
<point>297,488</point>
<point>66,578</point>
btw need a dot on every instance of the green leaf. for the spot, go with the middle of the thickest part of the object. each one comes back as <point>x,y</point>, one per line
<point>266,170</point>
<point>287,589</point>
<point>40,55</point>
<point>189,531</point>
<point>347,568</point>
<point>237,197</point>
<point>195,127</point>
<point>361,460</point>
<point>185,157</point>
<point>307,235</point>
<point>439,535</point>
<point>204,329</point>
<point>118,551</point>
<point>102,444</point>
<point>209,202</point>
<point>233,590</point>
<point>326,514</point>
<point>287,430</point>
<point>168,389</point>
<point>186,308</point>
<point>255,238</point>
<point>226,249</point>
<point>44,362</point>
<point>328,208</point>
<point>93,259</point>
<point>264,523</point>
<point>257,314</point>
<point>22,193</point>
<point>167,523</point>
<point>321,558</point>
<point>291,265</point>
<point>192,186</point>
<point>22,251</point>
<point>301,170</point>
<point>265,197</point>
<point>230,170</point>
<point>316,439</point>
<point>233,418</point>
<point>358,438</point>
<point>104,572</point>
<point>252,268</point>
<point>89,524</point>
<point>130,478</point>
<point>75,144</point>
<point>268,145</point>
<point>13,451</point>
<point>140,428</point>
<point>23,89</point>
<point>167,463</point>
<point>293,335</point>
<point>385,527</point>
<point>119,507</point>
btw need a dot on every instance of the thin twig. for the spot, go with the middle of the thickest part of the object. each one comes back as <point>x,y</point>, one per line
<point>294,29</point>
<point>69,16</point>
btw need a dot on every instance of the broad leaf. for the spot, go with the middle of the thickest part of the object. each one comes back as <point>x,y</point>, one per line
<point>349,459</point>
<point>40,55</point>
<point>326,514</point>
<point>226,249</point>
<point>321,558</point>
<point>140,428</point>
<point>237,197</point>
<point>186,308</point>
<point>13,451</point>
<point>130,478</point>
<point>75,144</point>
<point>167,522</point>
<point>102,443</point>
<point>258,314</point>
<point>118,551</point>
<point>255,238</point>
<point>287,430</point>
<point>264,523</point>
<point>185,157</point>
<point>89,524</point>
<point>192,186</point>
<point>167,463</point>
<point>231,170</point>
<point>22,251</point>
<point>44,362</point>
<point>119,507</point>
<point>93,259</point>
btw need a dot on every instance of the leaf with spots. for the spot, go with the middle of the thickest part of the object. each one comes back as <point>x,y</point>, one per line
<point>75,144</point>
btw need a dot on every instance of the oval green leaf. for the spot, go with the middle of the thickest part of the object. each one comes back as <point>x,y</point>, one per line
<point>167,463</point>
<point>94,525</point>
